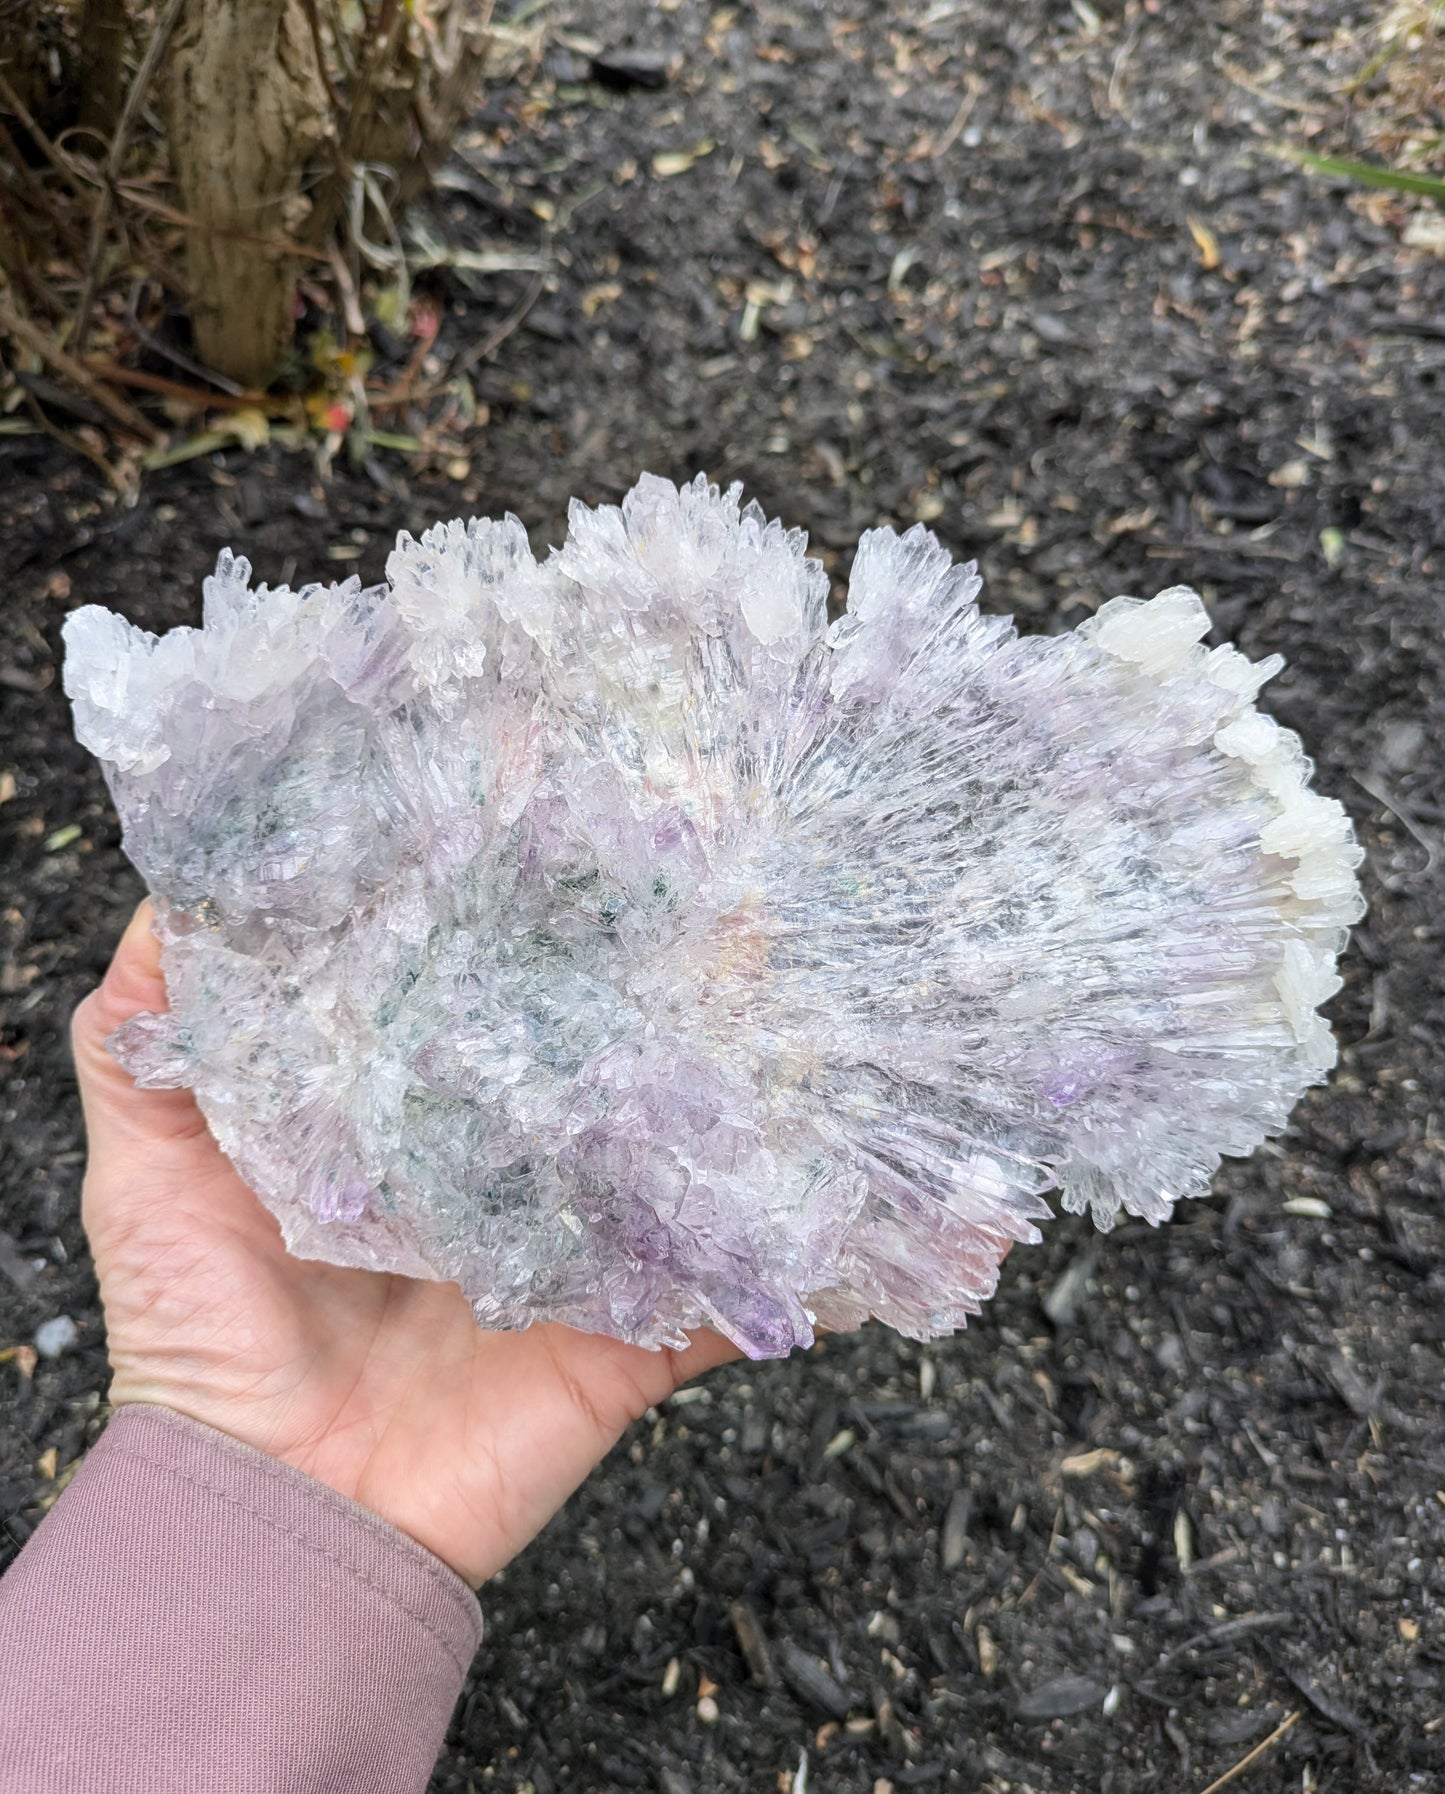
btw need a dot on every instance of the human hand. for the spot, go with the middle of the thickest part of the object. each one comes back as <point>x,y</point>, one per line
<point>381,1386</point>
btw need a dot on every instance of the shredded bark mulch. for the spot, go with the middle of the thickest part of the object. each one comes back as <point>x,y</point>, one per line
<point>1035,275</point>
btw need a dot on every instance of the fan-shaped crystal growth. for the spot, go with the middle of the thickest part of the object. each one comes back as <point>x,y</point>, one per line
<point>615,937</point>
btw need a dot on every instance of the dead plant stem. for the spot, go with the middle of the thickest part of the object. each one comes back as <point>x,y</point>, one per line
<point>313,19</point>
<point>76,444</point>
<point>79,376</point>
<point>1252,1756</point>
<point>57,157</point>
<point>134,100</point>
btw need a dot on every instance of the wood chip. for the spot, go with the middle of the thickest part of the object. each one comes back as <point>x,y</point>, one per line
<point>753,1643</point>
<point>813,1684</point>
<point>954,1540</point>
<point>1090,1463</point>
<point>1060,1698</point>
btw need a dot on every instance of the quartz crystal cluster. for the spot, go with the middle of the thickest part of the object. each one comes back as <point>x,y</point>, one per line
<point>615,937</point>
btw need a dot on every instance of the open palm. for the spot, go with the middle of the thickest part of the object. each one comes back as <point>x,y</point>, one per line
<point>382,1387</point>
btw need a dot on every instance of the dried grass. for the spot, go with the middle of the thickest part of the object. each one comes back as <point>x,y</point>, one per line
<point>92,241</point>
<point>1399,89</point>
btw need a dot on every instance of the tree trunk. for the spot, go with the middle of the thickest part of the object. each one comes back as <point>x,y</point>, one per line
<point>247,112</point>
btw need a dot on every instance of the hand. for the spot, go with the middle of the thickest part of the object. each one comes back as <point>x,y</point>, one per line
<point>382,1387</point>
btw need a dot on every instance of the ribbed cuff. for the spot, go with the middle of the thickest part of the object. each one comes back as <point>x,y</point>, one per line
<point>194,1615</point>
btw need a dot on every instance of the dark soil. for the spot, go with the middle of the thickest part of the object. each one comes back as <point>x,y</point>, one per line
<point>938,262</point>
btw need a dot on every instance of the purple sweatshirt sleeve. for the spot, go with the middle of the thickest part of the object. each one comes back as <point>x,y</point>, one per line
<point>193,1616</point>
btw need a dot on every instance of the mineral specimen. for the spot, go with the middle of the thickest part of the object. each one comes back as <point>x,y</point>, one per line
<point>615,937</point>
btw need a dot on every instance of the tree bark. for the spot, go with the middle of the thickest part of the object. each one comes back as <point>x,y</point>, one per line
<point>247,111</point>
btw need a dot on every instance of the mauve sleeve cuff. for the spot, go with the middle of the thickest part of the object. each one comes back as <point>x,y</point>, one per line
<point>195,1616</point>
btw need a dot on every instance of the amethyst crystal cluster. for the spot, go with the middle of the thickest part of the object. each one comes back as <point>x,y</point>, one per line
<point>614,936</point>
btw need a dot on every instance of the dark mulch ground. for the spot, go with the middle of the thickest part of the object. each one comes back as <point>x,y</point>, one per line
<point>931,262</point>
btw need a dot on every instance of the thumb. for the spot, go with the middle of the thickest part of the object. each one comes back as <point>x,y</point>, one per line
<point>116,1111</point>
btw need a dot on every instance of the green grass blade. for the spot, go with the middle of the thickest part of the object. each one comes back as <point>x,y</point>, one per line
<point>1369,174</point>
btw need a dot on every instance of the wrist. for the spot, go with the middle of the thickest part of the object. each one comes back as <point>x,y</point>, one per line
<point>352,1473</point>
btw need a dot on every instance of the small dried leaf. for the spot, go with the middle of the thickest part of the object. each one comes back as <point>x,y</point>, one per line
<point>1205,242</point>
<point>251,428</point>
<point>1090,1463</point>
<point>602,294</point>
<point>670,162</point>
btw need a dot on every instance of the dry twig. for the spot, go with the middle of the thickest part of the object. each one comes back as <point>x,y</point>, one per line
<point>76,373</point>
<point>1253,1756</point>
<point>1226,1633</point>
<point>134,100</point>
<point>58,159</point>
<point>198,396</point>
<point>76,445</point>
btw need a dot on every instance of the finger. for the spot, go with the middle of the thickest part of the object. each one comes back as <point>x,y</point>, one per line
<point>115,1110</point>
<point>706,1350</point>
<point>133,981</point>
